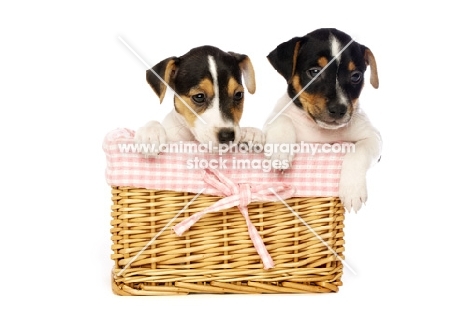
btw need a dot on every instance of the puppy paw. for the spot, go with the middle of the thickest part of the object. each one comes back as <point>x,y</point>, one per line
<point>353,191</point>
<point>281,161</point>
<point>252,136</point>
<point>149,138</point>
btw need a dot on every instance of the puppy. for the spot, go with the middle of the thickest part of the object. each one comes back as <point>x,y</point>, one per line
<point>324,71</point>
<point>208,100</point>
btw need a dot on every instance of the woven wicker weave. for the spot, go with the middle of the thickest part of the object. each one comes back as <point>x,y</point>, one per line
<point>216,254</point>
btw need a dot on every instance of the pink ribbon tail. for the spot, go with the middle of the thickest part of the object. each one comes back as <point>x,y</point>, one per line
<point>241,196</point>
<point>257,240</point>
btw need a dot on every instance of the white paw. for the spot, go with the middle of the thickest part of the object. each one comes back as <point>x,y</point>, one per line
<point>353,191</point>
<point>280,136</point>
<point>150,137</point>
<point>252,136</point>
<point>281,161</point>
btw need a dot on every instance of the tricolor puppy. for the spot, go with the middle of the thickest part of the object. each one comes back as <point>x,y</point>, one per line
<point>208,100</point>
<point>325,77</point>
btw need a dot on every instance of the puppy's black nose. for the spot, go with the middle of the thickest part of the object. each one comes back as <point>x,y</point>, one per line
<point>337,111</point>
<point>226,134</point>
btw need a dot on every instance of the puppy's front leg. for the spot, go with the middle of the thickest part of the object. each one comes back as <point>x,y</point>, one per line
<point>353,187</point>
<point>150,137</point>
<point>279,133</point>
<point>252,136</point>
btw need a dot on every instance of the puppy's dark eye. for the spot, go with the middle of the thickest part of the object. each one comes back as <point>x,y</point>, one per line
<point>238,95</point>
<point>356,77</point>
<point>199,98</point>
<point>314,71</point>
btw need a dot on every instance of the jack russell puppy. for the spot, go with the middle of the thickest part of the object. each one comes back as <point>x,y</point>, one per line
<point>324,71</point>
<point>208,100</point>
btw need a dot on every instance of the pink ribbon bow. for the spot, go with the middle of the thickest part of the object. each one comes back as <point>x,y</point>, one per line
<point>239,195</point>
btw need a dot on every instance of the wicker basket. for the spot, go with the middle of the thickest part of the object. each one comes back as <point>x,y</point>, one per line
<point>216,254</point>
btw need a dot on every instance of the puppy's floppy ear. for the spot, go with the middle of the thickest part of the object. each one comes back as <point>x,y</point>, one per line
<point>284,57</point>
<point>248,73</point>
<point>370,61</point>
<point>162,75</point>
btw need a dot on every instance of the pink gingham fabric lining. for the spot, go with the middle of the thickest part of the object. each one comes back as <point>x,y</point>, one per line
<point>314,175</point>
<point>311,175</point>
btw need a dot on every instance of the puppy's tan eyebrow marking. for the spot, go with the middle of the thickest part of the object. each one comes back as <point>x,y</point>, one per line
<point>351,66</point>
<point>236,111</point>
<point>205,86</point>
<point>322,61</point>
<point>233,86</point>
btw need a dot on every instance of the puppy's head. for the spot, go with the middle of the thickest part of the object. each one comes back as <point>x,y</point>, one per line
<point>324,75</point>
<point>209,94</point>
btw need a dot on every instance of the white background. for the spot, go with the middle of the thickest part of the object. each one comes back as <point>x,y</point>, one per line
<point>66,79</point>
